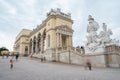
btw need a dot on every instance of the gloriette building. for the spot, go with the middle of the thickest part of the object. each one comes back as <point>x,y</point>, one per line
<point>49,38</point>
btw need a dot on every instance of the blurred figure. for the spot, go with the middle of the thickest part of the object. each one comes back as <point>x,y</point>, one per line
<point>17,56</point>
<point>11,63</point>
<point>7,55</point>
<point>44,59</point>
<point>88,63</point>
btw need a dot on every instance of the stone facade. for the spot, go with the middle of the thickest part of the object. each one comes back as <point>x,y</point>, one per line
<point>54,33</point>
<point>21,44</point>
<point>113,56</point>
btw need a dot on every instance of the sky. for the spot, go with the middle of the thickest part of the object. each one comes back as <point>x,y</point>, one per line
<point>18,14</point>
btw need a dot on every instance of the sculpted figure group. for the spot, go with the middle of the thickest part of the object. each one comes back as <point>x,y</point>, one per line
<point>95,40</point>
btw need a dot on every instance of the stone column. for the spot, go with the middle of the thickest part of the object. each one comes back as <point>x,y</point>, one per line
<point>71,41</point>
<point>41,43</point>
<point>45,44</point>
<point>36,50</point>
<point>57,51</point>
<point>57,39</point>
<point>67,42</point>
<point>60,40</point>
<point>32,47</point>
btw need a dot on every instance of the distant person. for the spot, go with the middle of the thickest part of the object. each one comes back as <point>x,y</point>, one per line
<point>44,59</point>
<point>88,63</point>
<point>17,56</point>
<point>41,59</point>
<point>7,55</point>
<point>11,63</point>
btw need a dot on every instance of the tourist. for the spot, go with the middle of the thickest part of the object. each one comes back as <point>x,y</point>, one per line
<point>11,63</point>
<point>16,56</point>
<point>41,59</point>
<point>44,59</point>
<point>88,63</point>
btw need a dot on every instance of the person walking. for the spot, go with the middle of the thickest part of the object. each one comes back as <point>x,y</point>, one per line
<point>44,59</point>
<point>11,63</point>
<point>88,63</point>
<point>16,56</point>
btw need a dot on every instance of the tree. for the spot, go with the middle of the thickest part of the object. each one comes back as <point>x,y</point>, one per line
<point>3,49</point>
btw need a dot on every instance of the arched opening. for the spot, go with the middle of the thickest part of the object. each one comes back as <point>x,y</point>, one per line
<point>39,42</point>
<point>34,44</point>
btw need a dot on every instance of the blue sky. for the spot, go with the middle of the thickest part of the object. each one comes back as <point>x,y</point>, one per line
<point>18,14</point>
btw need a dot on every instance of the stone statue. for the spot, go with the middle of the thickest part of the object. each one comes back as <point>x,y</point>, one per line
<point>95,41</point>
<point>92,34</point>
<point>91,29</point>
<point>105,35</point>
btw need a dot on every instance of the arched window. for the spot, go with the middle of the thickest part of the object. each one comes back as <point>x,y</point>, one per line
<point>48,40</point>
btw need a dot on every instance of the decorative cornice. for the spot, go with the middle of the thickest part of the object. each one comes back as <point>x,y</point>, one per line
<point>39,27</point>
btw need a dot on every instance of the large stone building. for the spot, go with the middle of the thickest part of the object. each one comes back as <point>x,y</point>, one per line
<point>53,35</point>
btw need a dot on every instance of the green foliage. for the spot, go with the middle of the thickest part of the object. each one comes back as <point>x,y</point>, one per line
<point>3,49</point>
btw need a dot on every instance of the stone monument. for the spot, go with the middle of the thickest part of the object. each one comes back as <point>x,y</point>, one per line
<point>96,42</point>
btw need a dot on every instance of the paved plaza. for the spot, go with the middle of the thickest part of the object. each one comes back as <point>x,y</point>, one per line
<point>33,69</point>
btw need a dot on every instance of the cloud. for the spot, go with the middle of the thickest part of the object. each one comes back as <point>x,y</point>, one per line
<point>8,7</point>
<point>6,40</point>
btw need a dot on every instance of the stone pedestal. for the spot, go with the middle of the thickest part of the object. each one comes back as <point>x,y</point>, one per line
<point>97,58</point>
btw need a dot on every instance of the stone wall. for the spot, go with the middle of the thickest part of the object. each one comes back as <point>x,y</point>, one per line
<point>73,58</point>
<point>97,60</point>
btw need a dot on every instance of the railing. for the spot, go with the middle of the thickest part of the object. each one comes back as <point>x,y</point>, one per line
<point>71,49</point>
